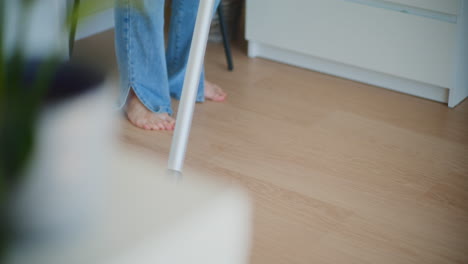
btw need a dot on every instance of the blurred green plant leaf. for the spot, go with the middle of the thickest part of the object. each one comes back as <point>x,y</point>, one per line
<point>20,101</point>
<point>90,7</point>
<point>19,105</point>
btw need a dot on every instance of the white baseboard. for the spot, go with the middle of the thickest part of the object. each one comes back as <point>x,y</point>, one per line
<point>419,89</point>
<point>95,24</point>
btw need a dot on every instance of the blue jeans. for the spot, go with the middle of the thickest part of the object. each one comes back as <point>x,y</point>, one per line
<point>146,66</point>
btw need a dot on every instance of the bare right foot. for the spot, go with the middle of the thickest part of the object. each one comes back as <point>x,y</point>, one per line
<point>143,118</point>
<point>214,93</point>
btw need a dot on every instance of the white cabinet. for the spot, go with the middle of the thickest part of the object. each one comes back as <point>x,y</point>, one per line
<point>412,46</point>
<point>441,6</point>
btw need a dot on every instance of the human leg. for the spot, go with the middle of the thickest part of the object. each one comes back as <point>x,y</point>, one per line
<point>139,41</point>
<point>182,25</point>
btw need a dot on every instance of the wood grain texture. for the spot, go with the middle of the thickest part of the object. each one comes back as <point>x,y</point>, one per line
<point>339,171</point>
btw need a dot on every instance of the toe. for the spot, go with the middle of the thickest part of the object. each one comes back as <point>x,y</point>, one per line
<point>145,126</point>
<point>169,122</point>
<point>138,123</point>
<point>161,125</point>
<point>172,123</point>
<point>154,126</point>
<point>219,97</point>
<point>167,125</point>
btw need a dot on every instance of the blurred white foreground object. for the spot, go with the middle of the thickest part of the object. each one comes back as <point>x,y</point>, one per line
<point>189,92</point>
<point>87,201</point>
<point>67,177</point>
<point>150,220</point>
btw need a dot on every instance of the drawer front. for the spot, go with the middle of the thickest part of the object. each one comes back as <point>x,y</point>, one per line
<point>443,6</point>
<point>403,45</point>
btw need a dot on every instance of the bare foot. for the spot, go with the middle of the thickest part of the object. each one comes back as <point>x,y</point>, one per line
<point>143,118</point>
<point>214,93</point>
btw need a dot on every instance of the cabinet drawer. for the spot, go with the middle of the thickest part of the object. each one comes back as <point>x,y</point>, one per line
<point>386,41</point>
<point>442,6</point>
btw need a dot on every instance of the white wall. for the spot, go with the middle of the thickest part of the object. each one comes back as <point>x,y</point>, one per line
<point>96,17</point>
<point>96,23</point>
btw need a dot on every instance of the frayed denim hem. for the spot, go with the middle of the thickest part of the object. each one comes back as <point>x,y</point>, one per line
<point>155,109</point>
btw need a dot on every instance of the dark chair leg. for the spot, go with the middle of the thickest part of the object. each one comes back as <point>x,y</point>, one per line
<point>73,25</point>
<point>227,45</point>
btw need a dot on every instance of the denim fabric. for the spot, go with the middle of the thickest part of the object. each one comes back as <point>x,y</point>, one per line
<point>154,72</point>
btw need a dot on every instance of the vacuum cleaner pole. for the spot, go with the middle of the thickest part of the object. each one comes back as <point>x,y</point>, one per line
<point>189,92</point>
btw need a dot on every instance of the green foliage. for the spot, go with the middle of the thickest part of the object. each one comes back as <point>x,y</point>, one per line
<point>2,93</point>
<point>20,101</point>
<point>19,106</point>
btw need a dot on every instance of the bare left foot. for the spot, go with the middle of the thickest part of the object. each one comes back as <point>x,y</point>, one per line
<point>214,93</point>
<point>142,117</point>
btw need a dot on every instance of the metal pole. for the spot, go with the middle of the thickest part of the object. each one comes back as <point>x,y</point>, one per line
<point>189,92</point>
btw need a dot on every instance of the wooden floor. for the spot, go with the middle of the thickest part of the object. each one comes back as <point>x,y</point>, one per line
<point>339,171</point>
